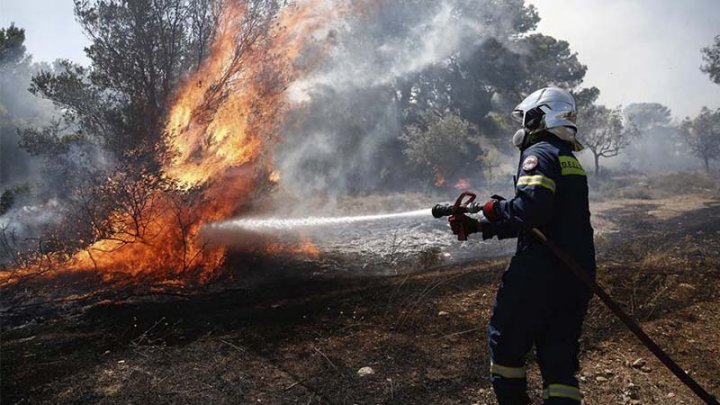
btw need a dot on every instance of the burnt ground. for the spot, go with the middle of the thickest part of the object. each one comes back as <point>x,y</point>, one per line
<point>298,336</point>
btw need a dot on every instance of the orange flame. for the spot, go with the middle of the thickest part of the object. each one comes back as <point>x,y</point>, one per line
<point>463,184</point>
<point>219,133</point>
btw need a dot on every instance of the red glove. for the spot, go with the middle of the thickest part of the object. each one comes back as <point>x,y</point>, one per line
<point>462,225</point>
<point>491,208</point>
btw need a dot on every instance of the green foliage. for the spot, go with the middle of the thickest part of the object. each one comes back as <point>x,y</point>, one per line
<point>585,98</point>
<point>478,83</point>
<point>659,146</point>
<point>702,135</point>
<point>711,59</point>
<point>139,52</point>
<point>13,66</point>
<point>87,108</point>
<point>12,47</point>
<point>508,63</point>
<point>18,107</point>
<point>50,141</point>
<point>7,199</point>
<point>440,145</point>
<point>10,196</point>
<point>549,62</point>
<point>647,116</point>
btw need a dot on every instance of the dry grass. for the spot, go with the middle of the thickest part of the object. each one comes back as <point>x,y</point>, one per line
<point>300,339</point>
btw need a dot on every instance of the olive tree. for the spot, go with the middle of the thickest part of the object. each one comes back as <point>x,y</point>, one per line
<point>605,132</point>
<point>702,134</point>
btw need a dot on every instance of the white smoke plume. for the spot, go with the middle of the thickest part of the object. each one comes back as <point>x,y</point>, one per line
<point>349,111</point>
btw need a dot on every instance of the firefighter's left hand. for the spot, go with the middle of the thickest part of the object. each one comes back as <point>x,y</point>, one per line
<point>462,225</point>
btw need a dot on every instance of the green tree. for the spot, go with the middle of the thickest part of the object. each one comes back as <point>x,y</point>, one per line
<point>658,145</point>
<point>702,135</point>
<point>13,62</point>
<point>585,98</point>
<point>549,62</point>
<point>647,116</point>
<point>139,52</point>
<point>12,49</point>
<point>508,63</point>
<point>711,59</point>
<point>18,107</point>
<point>605,133</point>
<point>441,145</point>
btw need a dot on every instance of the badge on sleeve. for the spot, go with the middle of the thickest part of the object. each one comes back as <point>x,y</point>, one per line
<point>530,163</point>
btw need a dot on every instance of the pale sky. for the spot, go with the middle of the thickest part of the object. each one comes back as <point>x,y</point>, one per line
<point>635,50</point>
<point>640,50</point>
<point>51,31</point>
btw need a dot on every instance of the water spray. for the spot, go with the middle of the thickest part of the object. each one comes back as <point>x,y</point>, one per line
<point>285,224</point>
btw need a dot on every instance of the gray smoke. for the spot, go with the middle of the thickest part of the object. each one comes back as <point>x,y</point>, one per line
<point>18,108</point>
<point>344,136</point>
<point>400,40</point>
<point>35,191</point>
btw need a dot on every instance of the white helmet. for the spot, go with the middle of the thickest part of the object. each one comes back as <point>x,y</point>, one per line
<point>550,109</point>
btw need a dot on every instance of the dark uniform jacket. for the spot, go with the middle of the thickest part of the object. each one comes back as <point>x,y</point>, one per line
<point>551,195</point>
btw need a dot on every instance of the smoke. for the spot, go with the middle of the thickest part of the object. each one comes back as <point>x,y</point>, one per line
<point>343,137</point>
<point>395,40</point>
<point>658,146</point>
<point>35,191</point>
<point>18,107</point>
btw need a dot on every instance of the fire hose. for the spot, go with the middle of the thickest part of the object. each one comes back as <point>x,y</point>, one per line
<point>465,205</point>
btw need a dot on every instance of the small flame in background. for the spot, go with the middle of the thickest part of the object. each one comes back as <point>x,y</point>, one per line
<point>219,133</point>
<point>463,184</point>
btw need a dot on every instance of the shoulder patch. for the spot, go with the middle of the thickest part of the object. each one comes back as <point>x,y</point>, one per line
<point>530,163</point>
<point>569,166</point>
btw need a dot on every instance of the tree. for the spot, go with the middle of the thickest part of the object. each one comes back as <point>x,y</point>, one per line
<point>13,64</point>
<point>18,107</point>
<point>659,145</point>
<point>477,78</point>
<point>605,133</point>
<point>549,62</point>
<point>12,48</point>
<point>647,116</point>
<point>585,99</point>
<point>505,61</point>
<point>139,52</point>
<point>711,57</point>
<point>441,146</point>
<point>702,134</point>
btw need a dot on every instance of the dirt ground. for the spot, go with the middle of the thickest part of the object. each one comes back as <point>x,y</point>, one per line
<point>296,336</point>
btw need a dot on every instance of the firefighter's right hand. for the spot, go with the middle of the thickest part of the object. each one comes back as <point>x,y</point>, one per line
<point>491,210</point>
<point>462,225</point>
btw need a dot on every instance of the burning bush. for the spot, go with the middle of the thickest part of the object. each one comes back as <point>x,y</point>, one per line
<point>144,217</point>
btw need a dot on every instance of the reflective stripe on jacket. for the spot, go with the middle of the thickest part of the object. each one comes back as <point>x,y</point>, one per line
<point>551,194</point>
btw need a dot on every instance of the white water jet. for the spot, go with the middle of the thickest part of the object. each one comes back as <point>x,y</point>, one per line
<point>278,224</point>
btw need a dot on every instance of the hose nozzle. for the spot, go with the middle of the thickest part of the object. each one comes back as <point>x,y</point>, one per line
<point>442,210</point>
<point>462,205</point>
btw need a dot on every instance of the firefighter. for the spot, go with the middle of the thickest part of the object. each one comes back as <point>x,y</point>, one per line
<point>539,302</point>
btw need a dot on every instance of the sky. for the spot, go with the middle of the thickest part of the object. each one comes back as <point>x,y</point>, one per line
<point>635,50</point>
<point>640,50</point>
<point>51,31</point>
